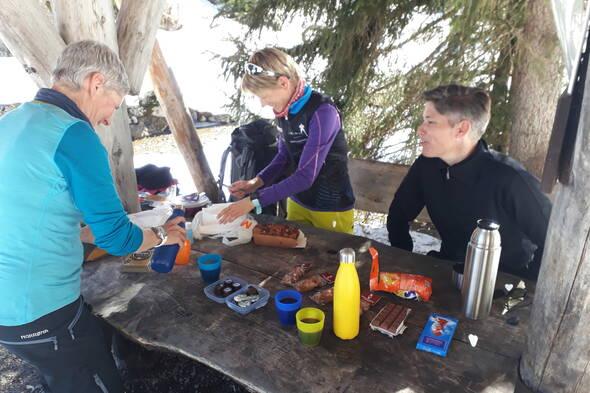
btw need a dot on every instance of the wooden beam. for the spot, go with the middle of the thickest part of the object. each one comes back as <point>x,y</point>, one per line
<point>137,25</point>
<point>375,183</point>
<point>181,124</point>
<point>121,159</point>
<point>95,20</point>
<point>29,34</point>
<point>557,354</point>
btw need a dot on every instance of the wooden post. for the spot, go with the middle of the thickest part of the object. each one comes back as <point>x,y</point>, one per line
<point>95,20</point>
<point>30,36</point>
<point>557,355</point>
<point>137,25</point>
<point>181,124</point>
<point>86,20</point>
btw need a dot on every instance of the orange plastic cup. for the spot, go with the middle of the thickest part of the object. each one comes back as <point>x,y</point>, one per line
<point>184,254</point>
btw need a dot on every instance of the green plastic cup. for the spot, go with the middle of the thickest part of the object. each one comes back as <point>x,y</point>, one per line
<point>310,324</point>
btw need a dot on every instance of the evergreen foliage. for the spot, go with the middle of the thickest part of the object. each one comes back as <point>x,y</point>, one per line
<point>357,41</point>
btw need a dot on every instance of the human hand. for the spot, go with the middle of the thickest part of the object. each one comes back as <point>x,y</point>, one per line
<point>176,234</point>
<point>241,188</point>
<point>235,210</point>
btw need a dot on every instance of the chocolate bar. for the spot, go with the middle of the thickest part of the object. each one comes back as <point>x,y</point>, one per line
<point>437,334</point>
<point>390,320</point>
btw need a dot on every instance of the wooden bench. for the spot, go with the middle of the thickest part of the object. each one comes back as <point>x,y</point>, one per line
<point>374,184</point>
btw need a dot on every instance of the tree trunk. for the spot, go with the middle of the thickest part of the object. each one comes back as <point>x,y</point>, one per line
<point>137,25</point>
<point>497,132</point>
<point>536,84</point>
<point>121,158</point>
<point>30,36</point>
<point>181,124</point>
<point>95,20</point>
<point>557,355</point>
<point>86,20</point>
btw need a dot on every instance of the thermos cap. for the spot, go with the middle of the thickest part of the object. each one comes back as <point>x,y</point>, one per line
<point>489,224</point>
<point>346,255</point>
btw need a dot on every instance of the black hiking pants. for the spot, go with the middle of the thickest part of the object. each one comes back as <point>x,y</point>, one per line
<point>68,348</point>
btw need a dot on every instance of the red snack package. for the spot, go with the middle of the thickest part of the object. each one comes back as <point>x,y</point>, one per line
<point>296,273</point>
<point>407,286</point>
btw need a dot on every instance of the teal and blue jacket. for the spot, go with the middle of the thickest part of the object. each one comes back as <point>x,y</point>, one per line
<point>54,173</point>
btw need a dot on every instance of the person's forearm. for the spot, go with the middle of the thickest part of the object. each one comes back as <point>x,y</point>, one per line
<point>277,166</point>
<point>150,240</point>
<point>399,234</point>
<point>324,126</point>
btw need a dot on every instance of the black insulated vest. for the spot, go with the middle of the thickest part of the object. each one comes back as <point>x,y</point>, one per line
<point>331,190</point>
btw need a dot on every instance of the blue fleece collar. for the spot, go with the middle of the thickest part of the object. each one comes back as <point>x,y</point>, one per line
<point>298,105</point>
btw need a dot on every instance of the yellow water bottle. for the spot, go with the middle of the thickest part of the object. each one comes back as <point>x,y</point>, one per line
<point>347,297</point>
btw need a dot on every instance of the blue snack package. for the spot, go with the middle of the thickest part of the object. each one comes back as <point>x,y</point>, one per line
<point>437,334</point>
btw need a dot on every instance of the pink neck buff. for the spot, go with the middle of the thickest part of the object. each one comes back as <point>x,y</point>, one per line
<point>296,95</point>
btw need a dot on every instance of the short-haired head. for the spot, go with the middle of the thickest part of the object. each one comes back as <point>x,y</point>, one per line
<point>83,58</point>
<point>277,62</point>
<point>458,103</point>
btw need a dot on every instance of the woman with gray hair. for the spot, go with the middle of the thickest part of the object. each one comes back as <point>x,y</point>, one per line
<point>55,174</point>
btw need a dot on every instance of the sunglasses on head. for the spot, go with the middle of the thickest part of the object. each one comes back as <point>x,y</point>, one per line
<point>253,69</point>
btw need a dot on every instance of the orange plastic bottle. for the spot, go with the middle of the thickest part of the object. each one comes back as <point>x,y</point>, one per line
<point>184,254</point>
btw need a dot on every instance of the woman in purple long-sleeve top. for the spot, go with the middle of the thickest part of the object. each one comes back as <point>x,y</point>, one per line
<point>312,149</point>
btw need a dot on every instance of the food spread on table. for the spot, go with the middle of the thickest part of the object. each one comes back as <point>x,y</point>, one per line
<point>390,319</point>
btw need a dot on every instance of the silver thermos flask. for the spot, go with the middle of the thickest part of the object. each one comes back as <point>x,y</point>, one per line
<point>481,268</point>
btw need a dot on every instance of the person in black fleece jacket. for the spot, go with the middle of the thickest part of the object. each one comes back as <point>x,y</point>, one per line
<point>460,180</point>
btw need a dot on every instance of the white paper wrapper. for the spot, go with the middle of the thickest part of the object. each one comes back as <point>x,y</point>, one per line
<point>151,218</point>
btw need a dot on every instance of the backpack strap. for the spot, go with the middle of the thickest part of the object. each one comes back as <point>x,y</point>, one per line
<point>221,176</point>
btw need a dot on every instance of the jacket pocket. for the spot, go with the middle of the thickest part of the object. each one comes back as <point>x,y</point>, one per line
<point>33,342</point>
<point>76,318</point>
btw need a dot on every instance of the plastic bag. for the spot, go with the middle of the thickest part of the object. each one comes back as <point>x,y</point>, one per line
<point>407,286</point>
<point>234,233</point>
<point>151,218</point>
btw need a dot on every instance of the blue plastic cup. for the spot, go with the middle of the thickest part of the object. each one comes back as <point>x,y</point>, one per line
<point>210,266</point>
<point>287,303</point>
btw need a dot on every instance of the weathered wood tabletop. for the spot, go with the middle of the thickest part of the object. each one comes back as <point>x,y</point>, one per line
<point>171,311</point>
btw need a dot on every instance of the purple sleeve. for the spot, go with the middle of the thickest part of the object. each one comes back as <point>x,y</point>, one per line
<point>323,128</point>
<point>276,166</point>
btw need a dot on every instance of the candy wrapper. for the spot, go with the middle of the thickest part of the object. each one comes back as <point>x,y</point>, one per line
<point>515,297</point>
<point>296,273</point>
<point>407,286</point>
<point>437,334</point>
<point>368,299</point>
<point>323,297</point>
<point>317,281</point>
<point>326,296</point>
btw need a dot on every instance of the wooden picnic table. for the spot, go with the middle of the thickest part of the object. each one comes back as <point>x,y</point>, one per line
<point>171,311</point>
